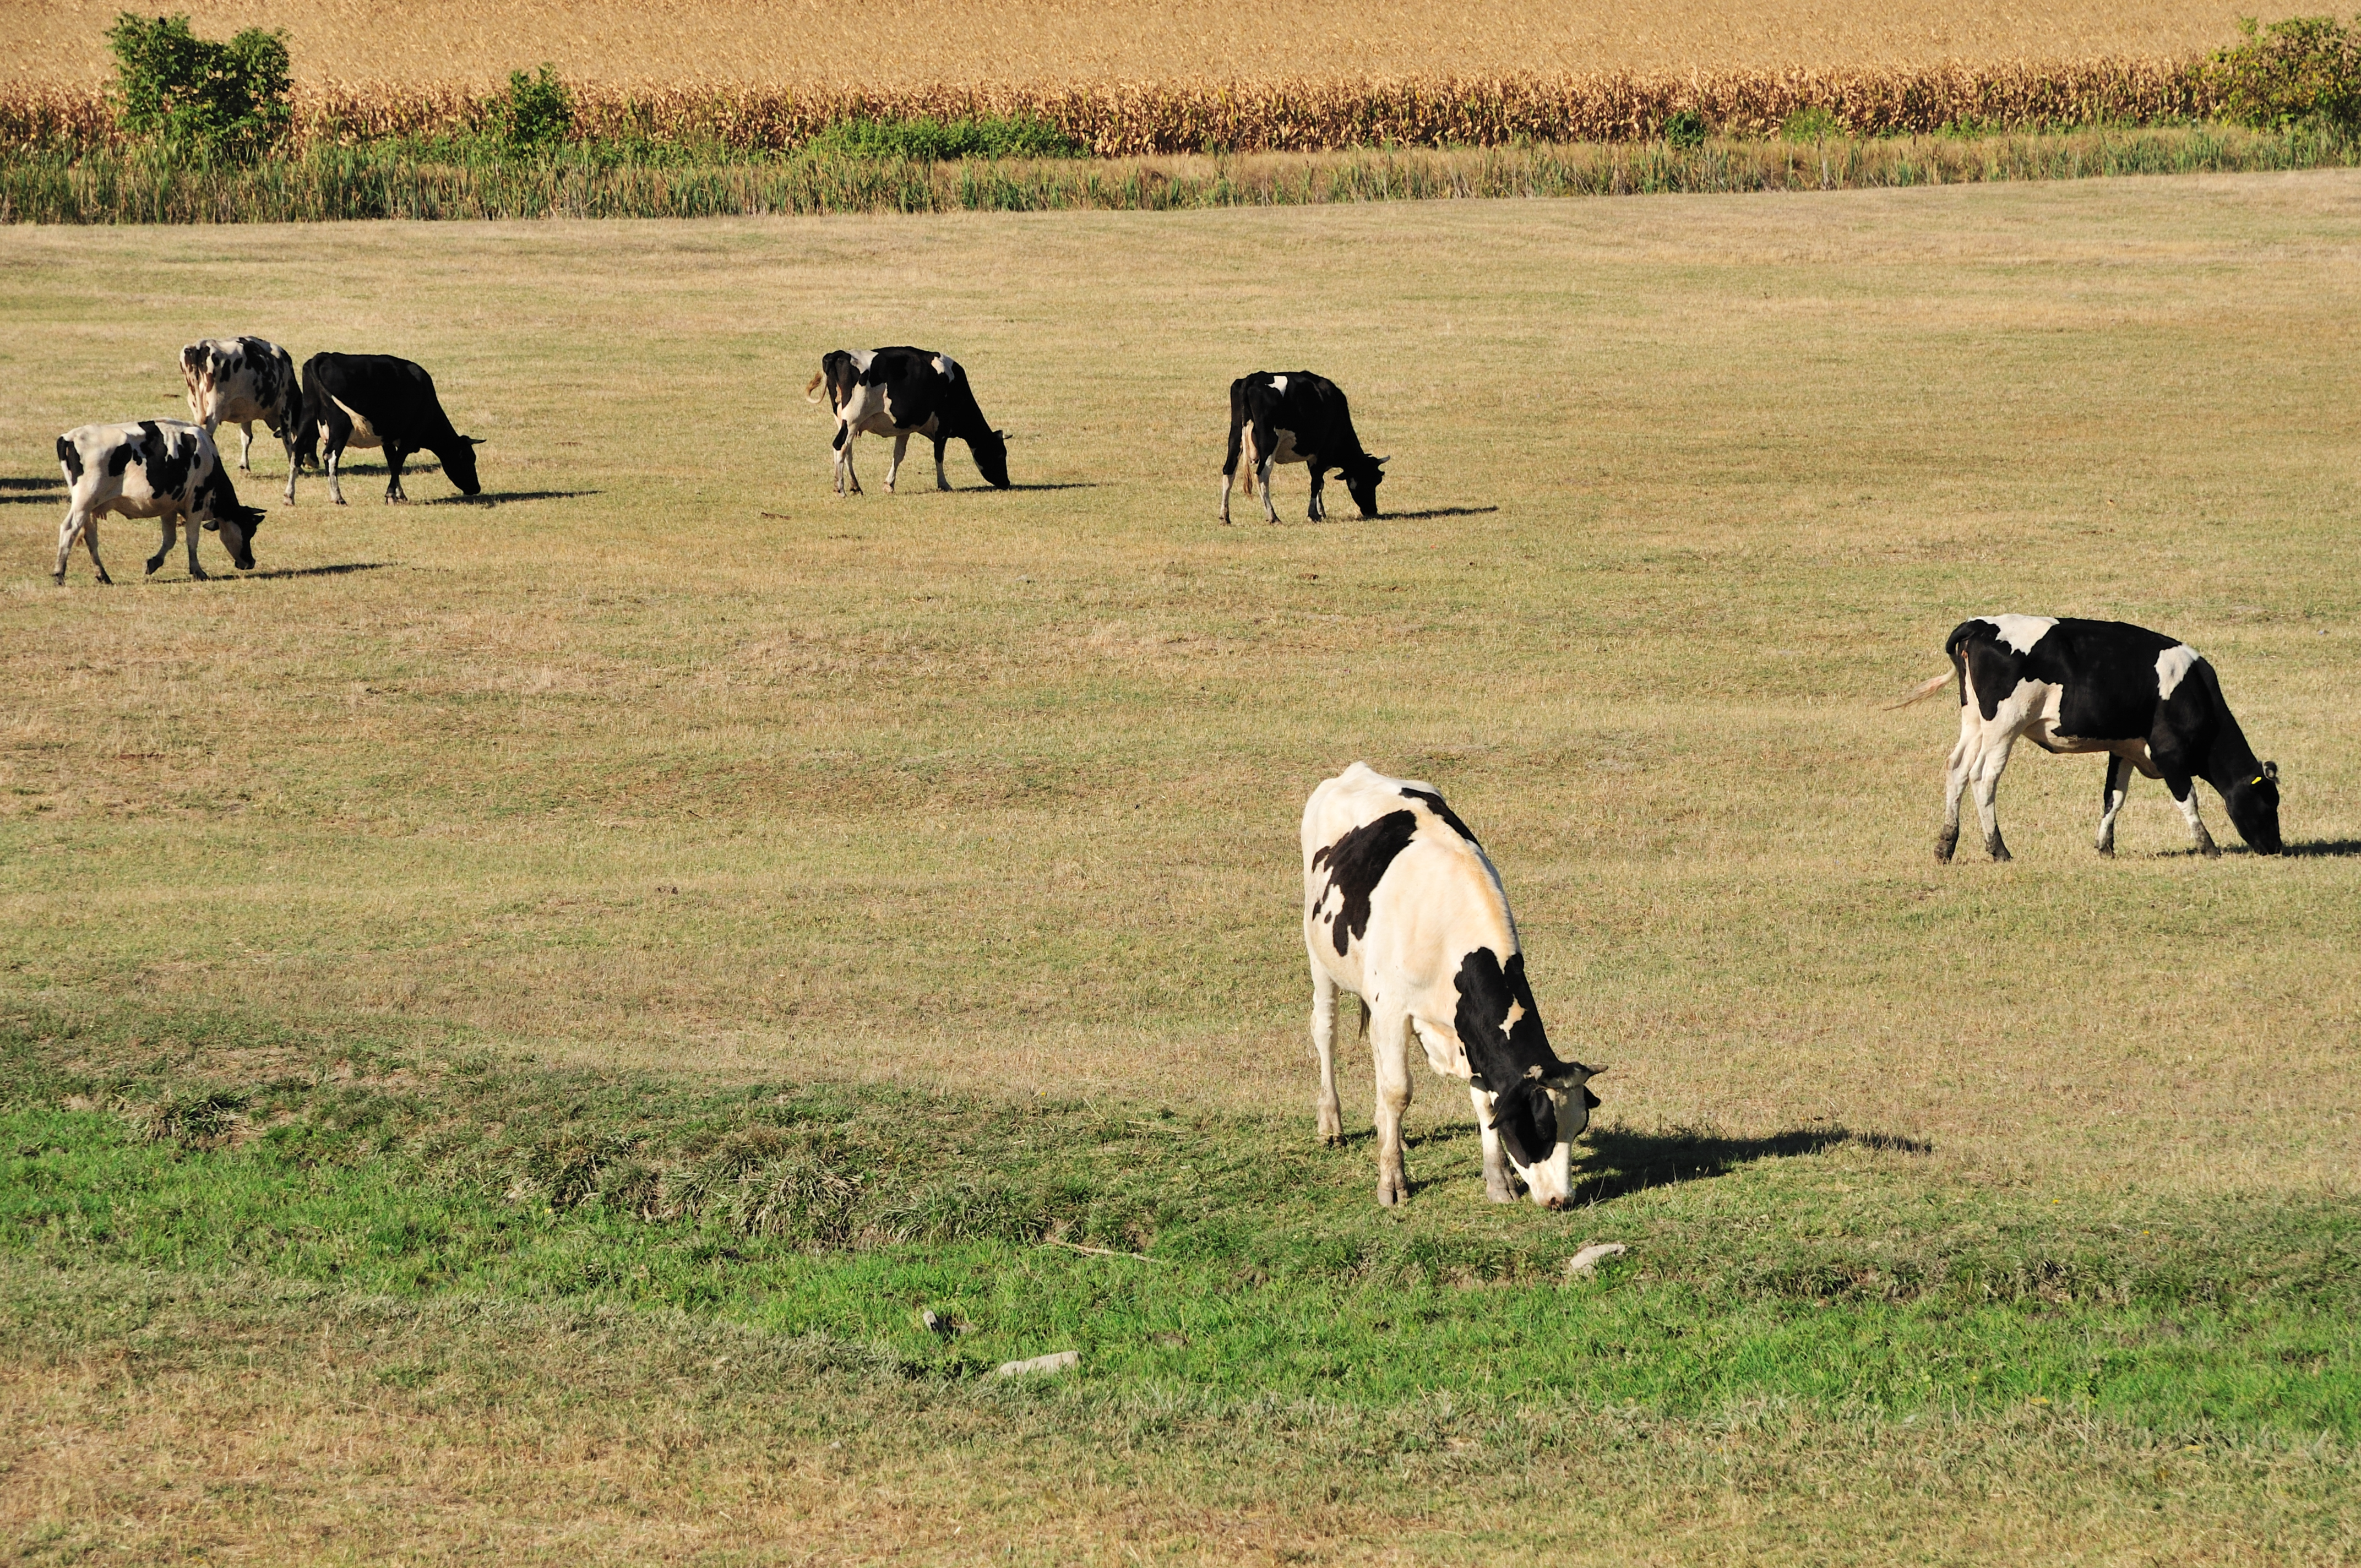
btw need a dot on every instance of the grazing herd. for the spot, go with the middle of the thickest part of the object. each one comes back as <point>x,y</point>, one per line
<point>169,469</point>
<point>1401,906</point>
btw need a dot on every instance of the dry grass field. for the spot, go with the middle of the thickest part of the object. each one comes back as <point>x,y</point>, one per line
<point>926,41</point>
<point>659,766</point>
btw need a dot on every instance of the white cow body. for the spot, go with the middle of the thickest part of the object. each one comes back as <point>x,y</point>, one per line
<point>164,468</point>
<point>237,380</point>
<point>1403,909</point>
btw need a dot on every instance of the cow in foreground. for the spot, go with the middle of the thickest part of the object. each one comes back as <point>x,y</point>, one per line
<point>376,400</point>
<point>2149,701</point>
<point>1295,417</point>
<point>904,392</point>
<point>236,380</point>
<point>163,468</point>
<point>1402,910</point>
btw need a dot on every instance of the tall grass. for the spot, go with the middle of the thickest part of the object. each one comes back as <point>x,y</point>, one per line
<point>393,181</point>
<point>1310,113</point>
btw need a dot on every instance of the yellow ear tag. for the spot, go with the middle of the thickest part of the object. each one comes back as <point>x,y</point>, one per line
<point>2258,778</point>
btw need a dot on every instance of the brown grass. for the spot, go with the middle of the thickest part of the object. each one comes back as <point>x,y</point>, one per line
<point>1305,114</point>
<point>1059,42</point>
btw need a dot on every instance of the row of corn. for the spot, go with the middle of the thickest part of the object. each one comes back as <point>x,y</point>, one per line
<point>1119,119</point>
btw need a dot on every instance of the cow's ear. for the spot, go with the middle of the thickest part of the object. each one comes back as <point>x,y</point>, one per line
<point>2271,772</point>
<point>1381,462</point>
<point>473,440</point>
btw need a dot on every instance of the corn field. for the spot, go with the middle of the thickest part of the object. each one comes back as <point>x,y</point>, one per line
<point>1162,117</point>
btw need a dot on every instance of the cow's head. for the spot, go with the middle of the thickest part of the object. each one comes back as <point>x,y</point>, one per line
<point>2254,803</point>
<point>1362,476</point>
<point>218,508</point>
<point>1538,1118</point>
<point>991,453</point>
<point>460,464</point>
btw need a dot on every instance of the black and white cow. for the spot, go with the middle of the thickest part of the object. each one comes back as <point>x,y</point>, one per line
<point>904,392</point>
<point>1293,416</point>
<point>2149,701</point>
<point>236,380</point>
<point>164,468</point>
<point>376,400</point>
<point>1402,908</point>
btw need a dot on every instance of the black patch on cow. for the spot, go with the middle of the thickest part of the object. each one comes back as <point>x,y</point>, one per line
<point>69,458</point>
<point>1498,1059</point>
<point>1526,1118</point>
<point>1433,803</point>
<point>1356,862</point>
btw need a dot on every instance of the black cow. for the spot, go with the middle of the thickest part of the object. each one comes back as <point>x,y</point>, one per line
<point>2147,700</point>
<point>1294,416</point>
<point>904,392</point>
<point>376,400</point>
<point>163,468</point>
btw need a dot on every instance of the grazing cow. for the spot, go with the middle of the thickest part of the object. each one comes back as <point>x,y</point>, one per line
<point>237,380</point>
<point>904,392</point>
<point>376,400</point>
<point>164,468</point>
<point>2147,700</point>
<point>1402,910</point>
<point>1297,417</point>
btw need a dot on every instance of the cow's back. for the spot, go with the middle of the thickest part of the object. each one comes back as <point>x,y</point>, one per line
<point>1390,869</point>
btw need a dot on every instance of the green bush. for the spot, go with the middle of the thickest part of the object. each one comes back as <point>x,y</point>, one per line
<point>194,95</point>
<point>2305,69</point>
<point>535,114</point>
<point>939,141</point>
<point>1811,123</point>
<point>1685,127</point>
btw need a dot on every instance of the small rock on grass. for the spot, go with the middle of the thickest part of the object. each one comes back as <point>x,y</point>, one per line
<point>1056,1361</point>
<point>1584,1264</point>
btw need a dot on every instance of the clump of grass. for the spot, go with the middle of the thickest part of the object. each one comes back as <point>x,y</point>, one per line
<point>1813,122</point>
<point>194,1119</point>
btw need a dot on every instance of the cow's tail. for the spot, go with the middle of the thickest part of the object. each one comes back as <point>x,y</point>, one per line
<point>1921,693</point>
<point>1237,428</point>
<point>812,385</point>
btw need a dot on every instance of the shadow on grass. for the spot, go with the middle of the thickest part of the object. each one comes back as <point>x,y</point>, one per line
<point>1435,512</point>
<point>498,498</point>
<point>340,569</point>
<point>2325,848</point>
<point>1622,1162</point>
<point>32,492</point>
<point>1060,485</point>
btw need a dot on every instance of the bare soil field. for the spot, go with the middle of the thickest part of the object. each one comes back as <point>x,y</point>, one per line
<point>929,41</point>
<point>658,778</point>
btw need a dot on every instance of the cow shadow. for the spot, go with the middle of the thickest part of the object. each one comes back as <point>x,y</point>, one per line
<point>1621,1161</point>
<point>343,569</point>
<point>1431,512</point>
<point>32,492</point>
<point>1057,485</point>
<point>2325,848</point>
<point>501,497</point>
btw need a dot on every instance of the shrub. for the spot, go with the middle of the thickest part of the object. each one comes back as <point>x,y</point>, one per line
<point>2306,68</point>
<point>1685,128</point>
<point>199,1119</point>
<point>195,95</point>
<point>535,114</point>
<point>939,141</point>
<point>1811,123</point>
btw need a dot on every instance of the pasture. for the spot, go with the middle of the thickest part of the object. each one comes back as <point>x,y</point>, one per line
<point>494,865</point>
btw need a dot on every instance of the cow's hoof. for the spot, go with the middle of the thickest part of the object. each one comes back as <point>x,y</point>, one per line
<point>1500,1192</point>
<point>105,581</point>
<point>1390,1193</point>
<point>2106,852</point>
<point>57,579</point>
<point>152,565</point>
<point>2210,849</point>
<point>199,575</point>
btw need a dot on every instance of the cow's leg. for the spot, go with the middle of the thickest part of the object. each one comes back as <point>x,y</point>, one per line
<point>1318,509</point>
<point>189,532</point>
<point>68,531</point>
<point>334,456</point>
<point>1390,1048</point>
<point>943,480</point>
<point>2111,800</point>
<point>164,545</point>
<point>1991,760</point>
<point>847,480</point>
<point>1270,512</point>
<point>2184,796</point>
<point>245,445</point>
<point>1229,478</point>
<point>393,460</point>
<point>1496,1185</point>
<point>1326,1106</point>
<point>1964,756</point>
<point>901,446</point>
